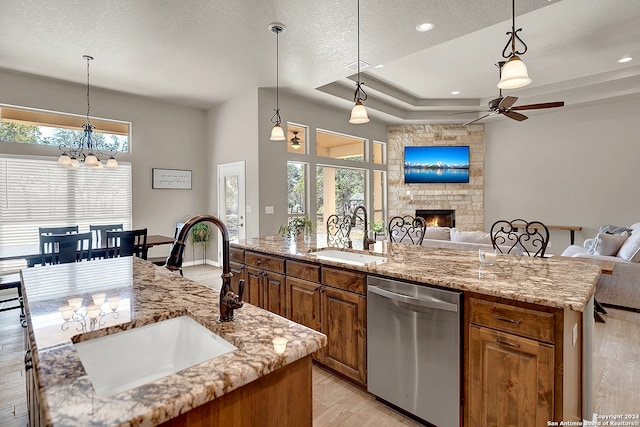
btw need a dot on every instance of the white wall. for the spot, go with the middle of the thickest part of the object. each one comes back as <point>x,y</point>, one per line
<point>576,165</point>
<point>163,136</point>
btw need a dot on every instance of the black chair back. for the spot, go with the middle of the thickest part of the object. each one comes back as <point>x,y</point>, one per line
<point>47,231</point>
<point>64,248</point>
<point>520,236</point>
<point>407,229</point>
<point>98,231</point>
<point>127,243</point>
<point>338,230</point>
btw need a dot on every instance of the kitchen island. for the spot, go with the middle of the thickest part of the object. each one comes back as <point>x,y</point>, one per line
<point>254,382</point>
<point>527,322</point>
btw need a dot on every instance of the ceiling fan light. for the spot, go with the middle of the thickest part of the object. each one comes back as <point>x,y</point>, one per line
<point>277,134</point>
<point>514,74</point>
<point>359,114</point>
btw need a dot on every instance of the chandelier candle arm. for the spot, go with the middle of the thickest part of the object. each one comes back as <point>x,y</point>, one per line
<point>86,150</point>
<point>359,112</point>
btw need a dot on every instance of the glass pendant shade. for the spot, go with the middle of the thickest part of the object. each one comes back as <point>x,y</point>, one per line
<point>359,114</point>
<point>112,163</point>
<point>277,134</point>
<point>74,163</point>
<point>514,74</point>
<point>64,159</point>
<point>91,160</point>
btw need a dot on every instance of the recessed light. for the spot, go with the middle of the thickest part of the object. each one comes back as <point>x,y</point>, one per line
<point>427,26</point>
<point>624,59</point>
<point>379,66</point>
<point>455,92</point>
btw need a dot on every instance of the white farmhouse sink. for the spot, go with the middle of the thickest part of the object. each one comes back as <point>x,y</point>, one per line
<point>130,358</point>
<point>348,257</point>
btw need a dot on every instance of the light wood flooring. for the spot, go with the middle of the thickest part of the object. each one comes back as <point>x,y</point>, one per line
<point>338,403</point>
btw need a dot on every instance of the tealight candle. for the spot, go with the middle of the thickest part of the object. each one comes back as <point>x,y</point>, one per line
<point>487,256</point>
<point>93,311</point>
<point>98,299</point>
<point>76,303</point>
<point>114,302</point>
<point>280,344</point>
<point>66,312</point>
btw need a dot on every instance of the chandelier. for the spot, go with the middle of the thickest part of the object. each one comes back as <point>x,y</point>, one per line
<point>86,149</point>
<point>514,73</point>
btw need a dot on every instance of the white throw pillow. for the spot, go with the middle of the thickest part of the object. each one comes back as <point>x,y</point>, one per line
<point>609,244</point>
<point>437,233</point>
<point>630,249</point>
<point>470,236</point>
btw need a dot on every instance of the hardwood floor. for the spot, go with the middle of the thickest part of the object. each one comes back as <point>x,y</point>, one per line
<point>338,403</point>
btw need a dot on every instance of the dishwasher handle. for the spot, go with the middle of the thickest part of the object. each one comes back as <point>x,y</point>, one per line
<point>430,303</point>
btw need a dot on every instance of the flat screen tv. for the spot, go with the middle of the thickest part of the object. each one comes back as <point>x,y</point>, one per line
<point>436,164</point>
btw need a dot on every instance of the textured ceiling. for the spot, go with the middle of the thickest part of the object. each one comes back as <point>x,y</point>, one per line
<point>201,53</point>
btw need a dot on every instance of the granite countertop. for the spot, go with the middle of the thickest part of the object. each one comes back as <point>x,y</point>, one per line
<point>144,293</point>
<point>551,282</point>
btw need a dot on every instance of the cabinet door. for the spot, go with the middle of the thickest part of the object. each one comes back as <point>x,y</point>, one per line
<point>303,303</point>
<point>510,379</point>
<point>344,324</point>
<point>253,286</point>
<point>238,271</point>
<point>274,292</point>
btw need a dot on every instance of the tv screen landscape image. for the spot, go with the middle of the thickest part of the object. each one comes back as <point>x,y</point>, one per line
<point>436,164</point>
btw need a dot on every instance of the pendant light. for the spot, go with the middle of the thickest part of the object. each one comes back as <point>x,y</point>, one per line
<point>277,134</point>
<point>514,72</point>
<point>359,113</point>
<point>86,150</point>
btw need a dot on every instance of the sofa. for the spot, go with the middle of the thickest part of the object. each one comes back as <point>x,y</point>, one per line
<point>621,245</point>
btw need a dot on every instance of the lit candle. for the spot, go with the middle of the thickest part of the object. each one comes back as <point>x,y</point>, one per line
<point>76,303</point>
<point>93,311</point>
<point>98,299</point>
<point>487,256</point>
<point>280,344</point>
<point>66,312</point>
<point>114,302</point>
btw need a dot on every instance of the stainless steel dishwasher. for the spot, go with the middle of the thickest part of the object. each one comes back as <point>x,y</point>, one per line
<point>414,349</point>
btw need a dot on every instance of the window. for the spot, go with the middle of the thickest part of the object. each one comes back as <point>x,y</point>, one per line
<point>296,139</point>
<point>28,126</point>
<point>37,192</point>
<point>297,190</point>
<point>338,190</point>
<point>379,153</point>
<point>337,146</point>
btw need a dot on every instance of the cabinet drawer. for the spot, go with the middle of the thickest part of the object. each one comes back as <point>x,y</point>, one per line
<point>303,270</point>
<point>538,325</point>
<point>266,262</point>
<point>343,279</point>
<point>236,255</point>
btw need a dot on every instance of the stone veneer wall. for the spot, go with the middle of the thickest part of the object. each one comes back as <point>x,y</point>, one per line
<point>466,199</point>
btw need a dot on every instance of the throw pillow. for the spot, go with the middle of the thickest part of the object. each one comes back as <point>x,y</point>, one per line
<point>609,244</point>
<point>630,249</point>
<point>470,236</point>
<point>437,233</point>
<point>608,229</point>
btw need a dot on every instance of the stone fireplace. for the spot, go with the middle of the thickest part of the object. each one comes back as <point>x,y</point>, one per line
<point>438,217</point>
<point>466,199</point>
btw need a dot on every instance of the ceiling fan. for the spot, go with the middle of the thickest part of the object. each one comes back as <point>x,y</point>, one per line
<point>295,141</point>
<point>504,105</point>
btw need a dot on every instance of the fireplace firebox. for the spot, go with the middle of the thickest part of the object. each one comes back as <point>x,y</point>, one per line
<point>438,217</point>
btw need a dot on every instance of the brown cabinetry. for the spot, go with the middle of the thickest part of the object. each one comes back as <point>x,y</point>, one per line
<point>515,358</point>
<point>236,262</point>
<point>265,286</point>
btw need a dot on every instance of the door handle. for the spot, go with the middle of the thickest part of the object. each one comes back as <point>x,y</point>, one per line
<point>429,303</point>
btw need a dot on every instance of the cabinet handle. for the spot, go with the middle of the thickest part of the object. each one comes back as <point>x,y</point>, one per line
<point>504,319</point>
<point>28,361</point>
<point>499,341</point>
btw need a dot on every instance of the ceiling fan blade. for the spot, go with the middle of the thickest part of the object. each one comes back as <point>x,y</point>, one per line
<point>466,112</point>
<point>507,102</point>
<point>539,106</point>
<point>479,118</point>
<point>515,116</point>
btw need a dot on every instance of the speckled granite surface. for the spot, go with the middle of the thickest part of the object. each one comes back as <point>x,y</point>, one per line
<point>144,294</point>
<point>544,281</point>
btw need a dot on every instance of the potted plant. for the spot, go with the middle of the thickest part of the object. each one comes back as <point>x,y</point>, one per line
<point>299,226</point>
<point>200,234</point>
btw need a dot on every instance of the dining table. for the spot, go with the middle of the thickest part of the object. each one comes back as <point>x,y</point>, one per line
<point>30,252</point>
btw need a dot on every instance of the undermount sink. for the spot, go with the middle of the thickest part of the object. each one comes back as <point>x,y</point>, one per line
<point>348,257</point>
<point>130,358</point>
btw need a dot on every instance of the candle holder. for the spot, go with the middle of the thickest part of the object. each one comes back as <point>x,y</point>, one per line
<point>75,312</point>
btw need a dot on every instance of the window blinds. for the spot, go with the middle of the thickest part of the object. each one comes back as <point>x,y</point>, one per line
<point>38,192</point>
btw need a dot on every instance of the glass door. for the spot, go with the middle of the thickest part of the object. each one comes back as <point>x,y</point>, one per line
<point>231,200</point>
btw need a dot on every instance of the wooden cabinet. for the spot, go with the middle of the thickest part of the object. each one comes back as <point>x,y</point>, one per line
<point>344,311</point>
<point>236,262</point>
<point>265,286</point>
<point>33,402</point>
<point>522,364</point>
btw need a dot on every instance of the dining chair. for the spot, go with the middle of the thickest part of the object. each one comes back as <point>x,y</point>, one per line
<point>530,238</point>
<point>407,229</point>
<point>12,281</point>
<point>127,243</point>
<point>65,248</point>
<point>338,230</point>
<point>98,231</point>
<point>48,231</point>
